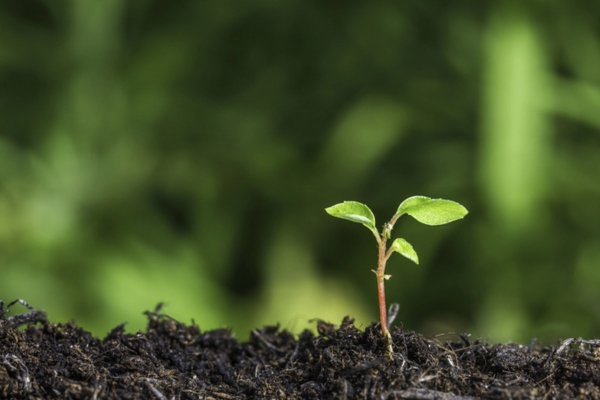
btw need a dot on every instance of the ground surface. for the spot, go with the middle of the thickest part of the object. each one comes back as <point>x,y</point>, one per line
<point>172,360</point>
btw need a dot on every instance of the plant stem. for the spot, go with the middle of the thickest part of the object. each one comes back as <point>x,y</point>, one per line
<point>381,277</point>
<point>381,286</point>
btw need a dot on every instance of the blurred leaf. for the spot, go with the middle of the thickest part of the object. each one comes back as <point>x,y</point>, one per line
<point>516,139</point>
<point>366,132</point>
<point>578,100</point>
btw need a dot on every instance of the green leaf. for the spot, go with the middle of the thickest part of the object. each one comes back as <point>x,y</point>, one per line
<point>432,211</point>
<point>353,211</point>
<point>403,247</point>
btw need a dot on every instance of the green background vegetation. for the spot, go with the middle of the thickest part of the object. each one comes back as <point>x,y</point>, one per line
<point>184,151</point>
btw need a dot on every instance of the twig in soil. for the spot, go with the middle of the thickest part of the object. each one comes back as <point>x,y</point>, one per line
<point>156,313</point>
<point>221,395</point>
<point>363,367</point>
<point>18,366</point>
<point>30,317</point>
<point>294,355</point>
<point>566,343</point>
<point>345,390</point>
<point>424,394</point>
<point>465,337</point>
<point>531,346</point>
<point>155,392</point>
<point>392,313</point>
<point>98,385</point>
<point>266,342</point>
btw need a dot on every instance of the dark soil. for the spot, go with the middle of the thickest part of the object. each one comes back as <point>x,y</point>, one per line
<point>172,360</point>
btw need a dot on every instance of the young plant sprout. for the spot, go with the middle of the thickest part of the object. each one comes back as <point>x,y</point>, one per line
<point>424,209</point>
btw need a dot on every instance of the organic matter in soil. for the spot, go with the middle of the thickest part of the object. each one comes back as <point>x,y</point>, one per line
<point>172,360</point>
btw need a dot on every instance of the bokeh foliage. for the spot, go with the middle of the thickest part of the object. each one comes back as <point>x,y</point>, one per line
<point>184,152</point>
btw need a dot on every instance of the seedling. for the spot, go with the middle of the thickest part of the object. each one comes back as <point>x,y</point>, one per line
<point>424,209</point>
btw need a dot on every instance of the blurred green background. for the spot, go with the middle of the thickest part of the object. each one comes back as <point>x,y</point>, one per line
<point>184,152</point>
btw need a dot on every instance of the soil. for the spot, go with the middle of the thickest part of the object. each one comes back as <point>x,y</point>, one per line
<point>172,360</point>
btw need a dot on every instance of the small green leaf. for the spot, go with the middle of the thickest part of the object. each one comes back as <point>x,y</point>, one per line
<point>353,211</point>
<point>403,247</point>
<point>432,211</point>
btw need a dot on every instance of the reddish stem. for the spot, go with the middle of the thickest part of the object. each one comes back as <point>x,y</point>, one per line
<point>381,286</point>
<point>384,254</point>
